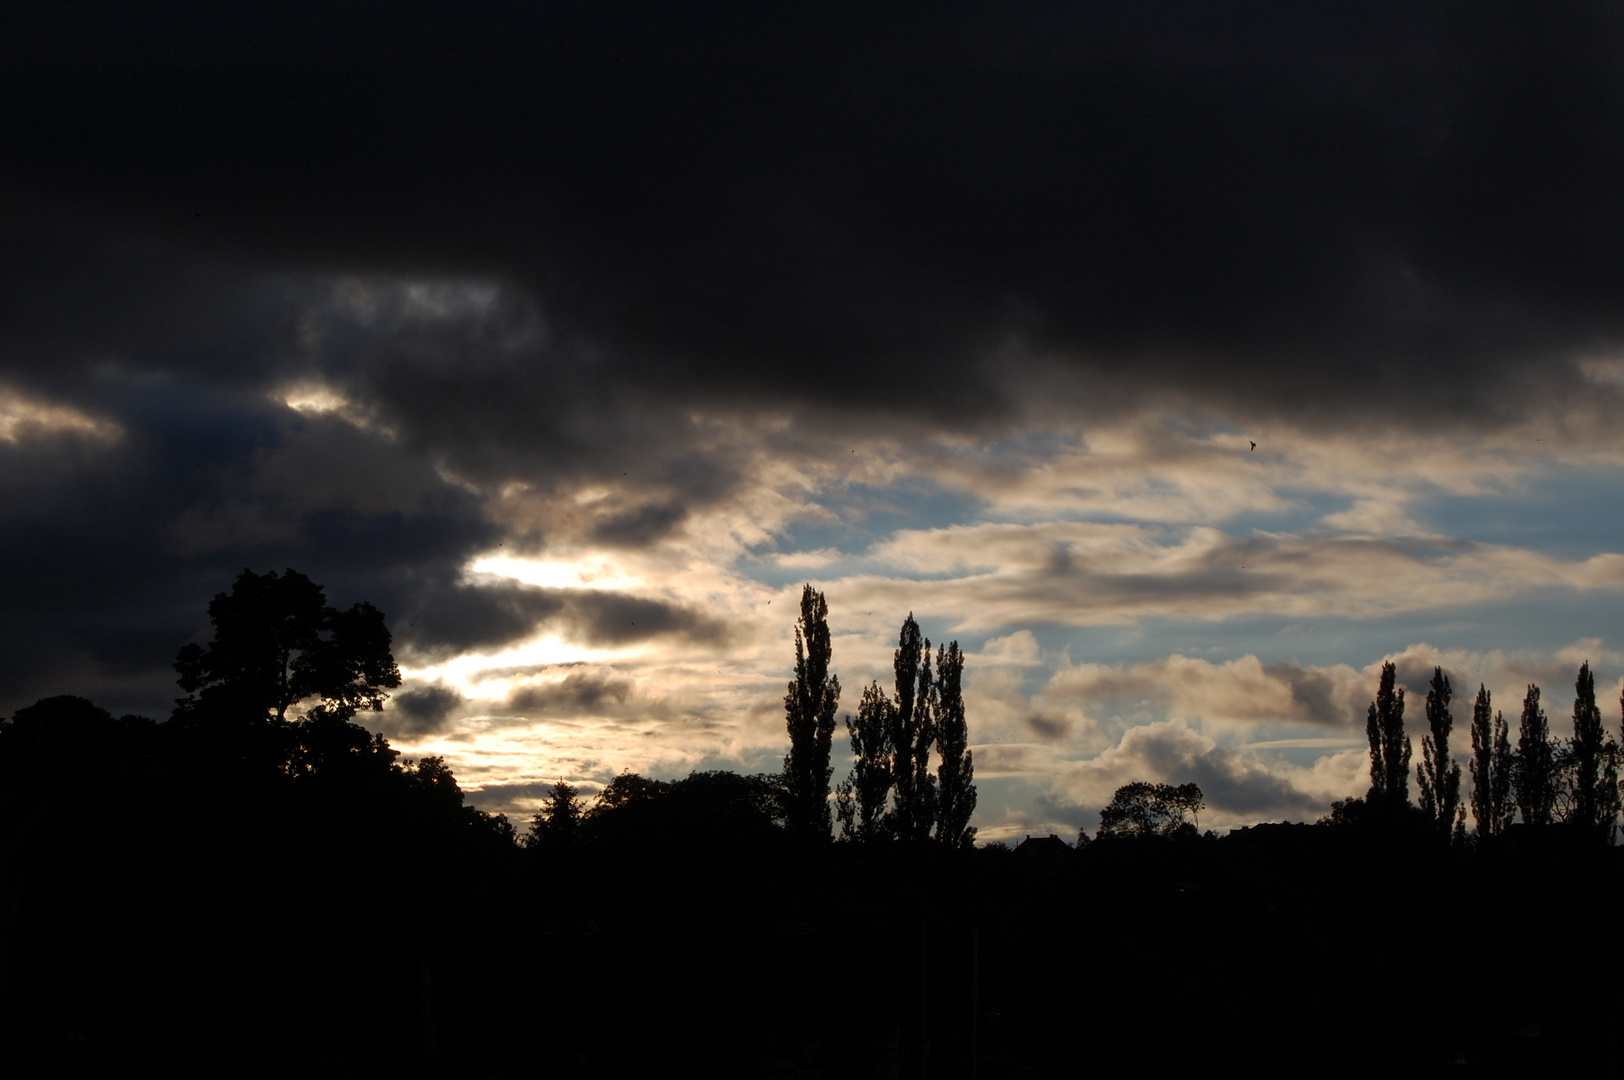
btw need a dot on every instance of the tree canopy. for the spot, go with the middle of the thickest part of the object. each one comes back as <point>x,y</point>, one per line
<point>1141,809</point>
<point>278,643</point>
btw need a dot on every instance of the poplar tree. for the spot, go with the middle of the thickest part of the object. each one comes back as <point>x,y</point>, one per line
<point>861,797</point>
<point>911,735</point>
<point>809,714</point>
<point>955,776</point>
<point>1491,767</point>
<point>1437,776</point>
<point>1591,760</point>
<point>1534,774</point>
<point>1389,746</point>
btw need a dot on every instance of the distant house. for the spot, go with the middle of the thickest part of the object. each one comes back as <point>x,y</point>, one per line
<point>1043,849</point>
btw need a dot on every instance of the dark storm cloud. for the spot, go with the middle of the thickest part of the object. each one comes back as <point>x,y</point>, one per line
<point>1252,204</point>
<point>638,527</point>
<point>442,619</point>
<point>1233,787</point>
<point>1386,210</point>
<point>1047,728</point>
<point>422,710</point>
<point>1314,691</point>
<point>576,694</point>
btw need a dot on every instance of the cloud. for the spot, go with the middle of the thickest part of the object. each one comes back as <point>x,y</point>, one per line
<point>578,693</point>
<point>1253,213</point>
<point>25,418</point>
<point>1087,573</point>
<point>423,710</point>
<point>1238,787</point>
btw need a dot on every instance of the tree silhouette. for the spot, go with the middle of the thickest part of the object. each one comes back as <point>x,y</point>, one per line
<point>559,819</point>
<point>955,776</point>
<point>69,738</point>
<point>809,714</point>
<point>1140,809</point>
<point>433,779</point>
<point>1534,772</point>
<point>861,797</point>
<point>1590,762</point>
<point>277,643</point>
<point>1389,746</point>
<point>1437,776</point>
<point>911,735</point>
<point>627,790</point>
<point>1491,767</point>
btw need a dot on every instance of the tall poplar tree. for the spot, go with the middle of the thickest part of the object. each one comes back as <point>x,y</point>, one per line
<point>1534,775</point>
<point>1437,776</point>
<point>1491,767</point>
<point>955,776</point>
<point>1389,746</point>
<point>1591,761</point>
<point>861,797</point>
<point>809,714</point>
<point>913,812</point>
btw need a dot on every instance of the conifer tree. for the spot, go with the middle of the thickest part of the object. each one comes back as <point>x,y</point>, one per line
<point>559,819</point>
<point>862,796</point>
<point>911,735</point>
<point>809,714</point>
<point>1491,767</point>
<point>1389,746</point>
<point>1437,776</point>
<point>1534,774</point>
<point>1591,761</point>
<point>955,776</point>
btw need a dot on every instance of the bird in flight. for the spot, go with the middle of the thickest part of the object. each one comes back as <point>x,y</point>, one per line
<point>1253,442</point>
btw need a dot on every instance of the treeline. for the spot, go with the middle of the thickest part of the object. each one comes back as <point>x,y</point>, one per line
<point>253,889</point>
<point>892,793</point>
<point>1541,783</point>
<point>1567,787</point>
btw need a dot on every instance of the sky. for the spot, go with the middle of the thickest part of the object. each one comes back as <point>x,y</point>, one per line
<point>1183,362</point>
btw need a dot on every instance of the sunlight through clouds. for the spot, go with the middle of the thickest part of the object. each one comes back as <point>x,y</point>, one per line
<point>589,573</point>
<point>24,417</point>
<point>492,676</point>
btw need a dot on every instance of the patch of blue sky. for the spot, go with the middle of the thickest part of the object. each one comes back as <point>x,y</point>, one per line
<point>1540,622</point>
<point>1306,756</point>
<point>864,515</point>
<point>1301,514</point>
<point>1572,513</point>
<point>1024,448</point>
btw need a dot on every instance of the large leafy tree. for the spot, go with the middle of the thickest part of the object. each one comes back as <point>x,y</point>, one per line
<point>955,776</point>
<point>911,712</point>
<point>1140,810</point>
<point>809,714</point>
<point>1534,773</point>
<point>1437,776</point>
<point>1491,767</point>
<point>1389,746</point>
<point>861,797</point>
<point>278,643</point>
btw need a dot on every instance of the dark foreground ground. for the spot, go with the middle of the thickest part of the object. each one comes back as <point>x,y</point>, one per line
<point>330,934</point>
